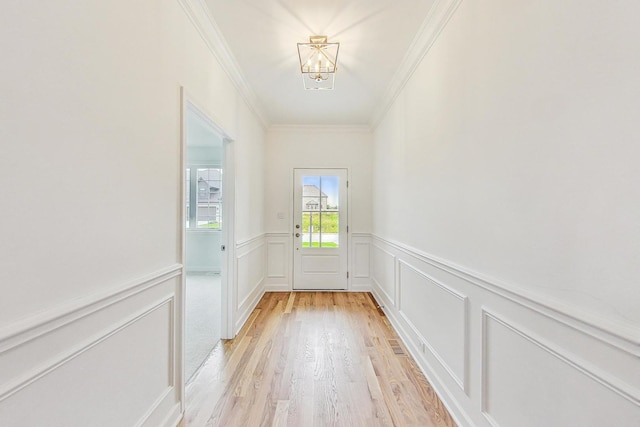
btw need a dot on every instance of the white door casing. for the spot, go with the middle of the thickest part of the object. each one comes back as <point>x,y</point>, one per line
<point>320,229</point>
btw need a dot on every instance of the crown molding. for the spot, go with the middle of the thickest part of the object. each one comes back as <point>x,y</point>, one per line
<point>319,128</point>
<point>200,16</point>
<point>432,26</point>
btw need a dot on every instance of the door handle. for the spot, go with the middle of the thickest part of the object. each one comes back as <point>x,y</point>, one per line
<point>297,225</point>
<point>297,234</point>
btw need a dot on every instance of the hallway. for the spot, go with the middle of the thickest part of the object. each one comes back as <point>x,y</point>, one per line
<point>313,359</point>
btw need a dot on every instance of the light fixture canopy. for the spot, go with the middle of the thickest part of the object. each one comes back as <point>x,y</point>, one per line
<point>318,63</point>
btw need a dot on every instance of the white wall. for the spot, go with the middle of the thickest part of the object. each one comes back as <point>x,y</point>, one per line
<point>250,256</point>
<point>290,147</point>
<point>90,131</point>
<point>507,191</point>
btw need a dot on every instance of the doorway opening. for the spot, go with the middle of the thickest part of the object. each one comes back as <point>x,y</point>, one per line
<point>205,237</point>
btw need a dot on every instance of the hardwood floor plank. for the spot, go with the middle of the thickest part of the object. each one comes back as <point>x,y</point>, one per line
<point>281,415</point>
<point>313,359</point>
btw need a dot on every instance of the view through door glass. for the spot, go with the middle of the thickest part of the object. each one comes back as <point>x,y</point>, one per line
<point>320,212</point>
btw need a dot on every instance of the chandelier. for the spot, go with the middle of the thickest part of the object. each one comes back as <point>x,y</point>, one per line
<point>318,63</point>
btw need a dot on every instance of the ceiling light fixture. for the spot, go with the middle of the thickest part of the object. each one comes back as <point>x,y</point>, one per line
<point>318,63</point>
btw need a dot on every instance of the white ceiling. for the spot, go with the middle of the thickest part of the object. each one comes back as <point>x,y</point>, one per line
<point>374,36</point>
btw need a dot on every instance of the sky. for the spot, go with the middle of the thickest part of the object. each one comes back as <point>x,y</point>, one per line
<point>327,184</point>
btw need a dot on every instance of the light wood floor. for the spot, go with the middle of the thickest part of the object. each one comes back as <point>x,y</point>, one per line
<point>313,359</point>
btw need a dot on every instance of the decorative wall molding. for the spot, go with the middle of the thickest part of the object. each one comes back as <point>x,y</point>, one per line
<point>361,235</point>
<point>277,235</point>
<point>278,264</point>
<point>172,419</point>
<point>252,282</point>
<point>461,380</point>
<point>10,388</point>
<point>591,371</point>
<point>249,304</point>
<point>456,410</point>
<point>200,16</point>
<point>261,275</point>
<point>621,336</point>
<point>434,23</point>
<point>358,274</point>
<point>270,250</point>
<point>585,353</point>
<point>320,128</point>
<point>375,279</point>
<point>249,242</point>
<point>47,322</point>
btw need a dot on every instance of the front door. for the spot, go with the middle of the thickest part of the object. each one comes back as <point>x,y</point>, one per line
<point>320,229</point>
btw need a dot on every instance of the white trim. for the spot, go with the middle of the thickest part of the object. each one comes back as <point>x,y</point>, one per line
<point>375,281</point>
<point>462,382</point>
<point>242,318</point>
<point>275,287</point>
<point>360,287</point>
<point>356,274</point>
<point>9,389</point>
<point>199,14</point>
<point>280,235</point>
<point>40,324</point>
<point>260,280</point>
<point>320,128</point>
<point>145,418</point>
<point>620,335</point>
<point>283,275</point>
<point>174,417</point>
<point>361,235</point>
<point>588,369</point>
<point>457,412</point>
<point>432,26</point>
<point>203,269</point>
<point>250,241</point>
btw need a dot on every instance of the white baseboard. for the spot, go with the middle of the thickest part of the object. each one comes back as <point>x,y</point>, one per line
<point>282,287</point>
<point>485,333</point>
<point>60,345</point>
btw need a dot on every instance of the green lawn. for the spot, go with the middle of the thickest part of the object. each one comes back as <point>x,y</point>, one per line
<point>317,245</point>
<point>329,222</point>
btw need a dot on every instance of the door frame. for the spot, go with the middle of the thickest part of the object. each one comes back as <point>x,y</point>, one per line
<point>189,104</point>
<point>291,233</point>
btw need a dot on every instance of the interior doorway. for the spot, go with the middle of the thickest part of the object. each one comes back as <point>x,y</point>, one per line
<point>320,233</point>
<point>205,237</point>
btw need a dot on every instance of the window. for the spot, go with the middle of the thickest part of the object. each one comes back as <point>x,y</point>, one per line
<point>320,212</point>
<point>204,198</point>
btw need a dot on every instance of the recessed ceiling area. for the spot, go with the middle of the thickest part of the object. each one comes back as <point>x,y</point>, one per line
<point>374,36</point>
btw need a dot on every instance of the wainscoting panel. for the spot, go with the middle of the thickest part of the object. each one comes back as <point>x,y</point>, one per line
<point>384,273</point>
<point>360,262</point>
<point>529,384</point>
<point>276,260</point>
<point>278,277</point>
<point>498,357</point>
<point>76,360</point>
<point>250,276</point>
<point>438,315</point>
<point>279,255</point>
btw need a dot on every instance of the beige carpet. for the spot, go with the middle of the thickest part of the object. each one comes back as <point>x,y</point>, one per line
<point>202,319</point>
